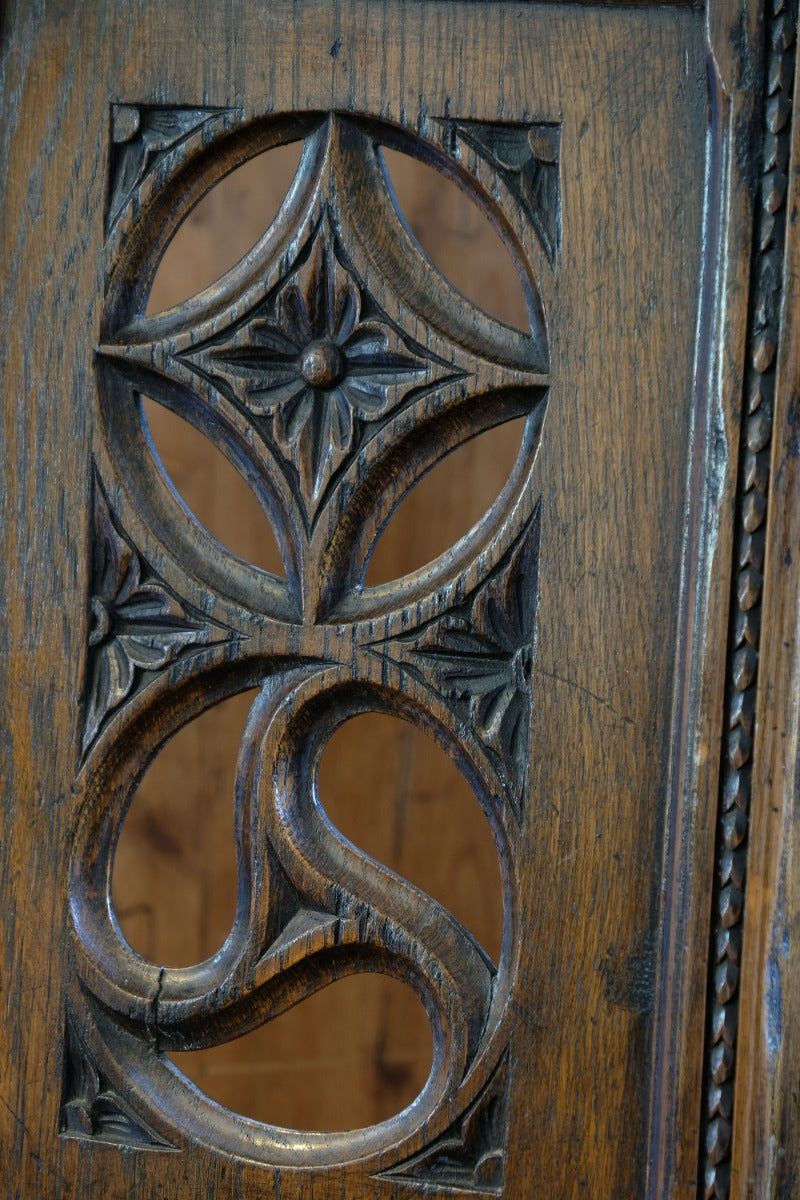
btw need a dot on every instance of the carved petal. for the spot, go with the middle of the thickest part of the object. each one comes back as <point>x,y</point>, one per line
<point>367,398</point>
<point>276,395</point>
<point>348,314</point>
<point>293,306</point>
<point>292,416</point>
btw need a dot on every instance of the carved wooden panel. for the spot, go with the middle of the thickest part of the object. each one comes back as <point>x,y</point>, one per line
<point>587,654</point>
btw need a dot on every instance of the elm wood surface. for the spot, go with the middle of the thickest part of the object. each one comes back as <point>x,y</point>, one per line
<point>604,1076</point>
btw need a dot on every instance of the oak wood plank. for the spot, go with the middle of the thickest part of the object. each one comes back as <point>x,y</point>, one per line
<point>613,900</point>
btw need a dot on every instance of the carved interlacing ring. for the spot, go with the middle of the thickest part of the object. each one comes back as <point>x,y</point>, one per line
<point>334,366</point>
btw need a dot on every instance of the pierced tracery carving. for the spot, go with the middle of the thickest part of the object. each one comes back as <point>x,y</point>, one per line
<point>334,366</point>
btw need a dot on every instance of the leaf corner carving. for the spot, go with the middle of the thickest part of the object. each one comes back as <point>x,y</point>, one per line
<point>525,155</point>
<point>91,1108</point>
<point>479,657</point>
<point>141,135</point>
<point>470,1155</point>
<point>137,625</point>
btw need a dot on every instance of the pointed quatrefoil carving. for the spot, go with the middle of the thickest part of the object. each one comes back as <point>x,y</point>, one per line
<point>318,361</point>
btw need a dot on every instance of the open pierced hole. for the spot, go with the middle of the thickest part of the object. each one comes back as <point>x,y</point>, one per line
<point>175,875</point>
<point>354,1054</point>
<point>446,503</point>
<point>395,794</point>
<point>457,237</point>
<point>221,229</point>
<point>212,489</point>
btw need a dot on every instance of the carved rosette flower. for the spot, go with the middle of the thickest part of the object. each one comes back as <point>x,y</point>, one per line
<point>317,358</point>
<point>136,625</point>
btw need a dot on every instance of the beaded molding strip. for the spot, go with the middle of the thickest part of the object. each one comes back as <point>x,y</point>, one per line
<point>745,620</point>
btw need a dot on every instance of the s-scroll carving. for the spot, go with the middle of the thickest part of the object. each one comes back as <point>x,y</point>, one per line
<point>334,366</point>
